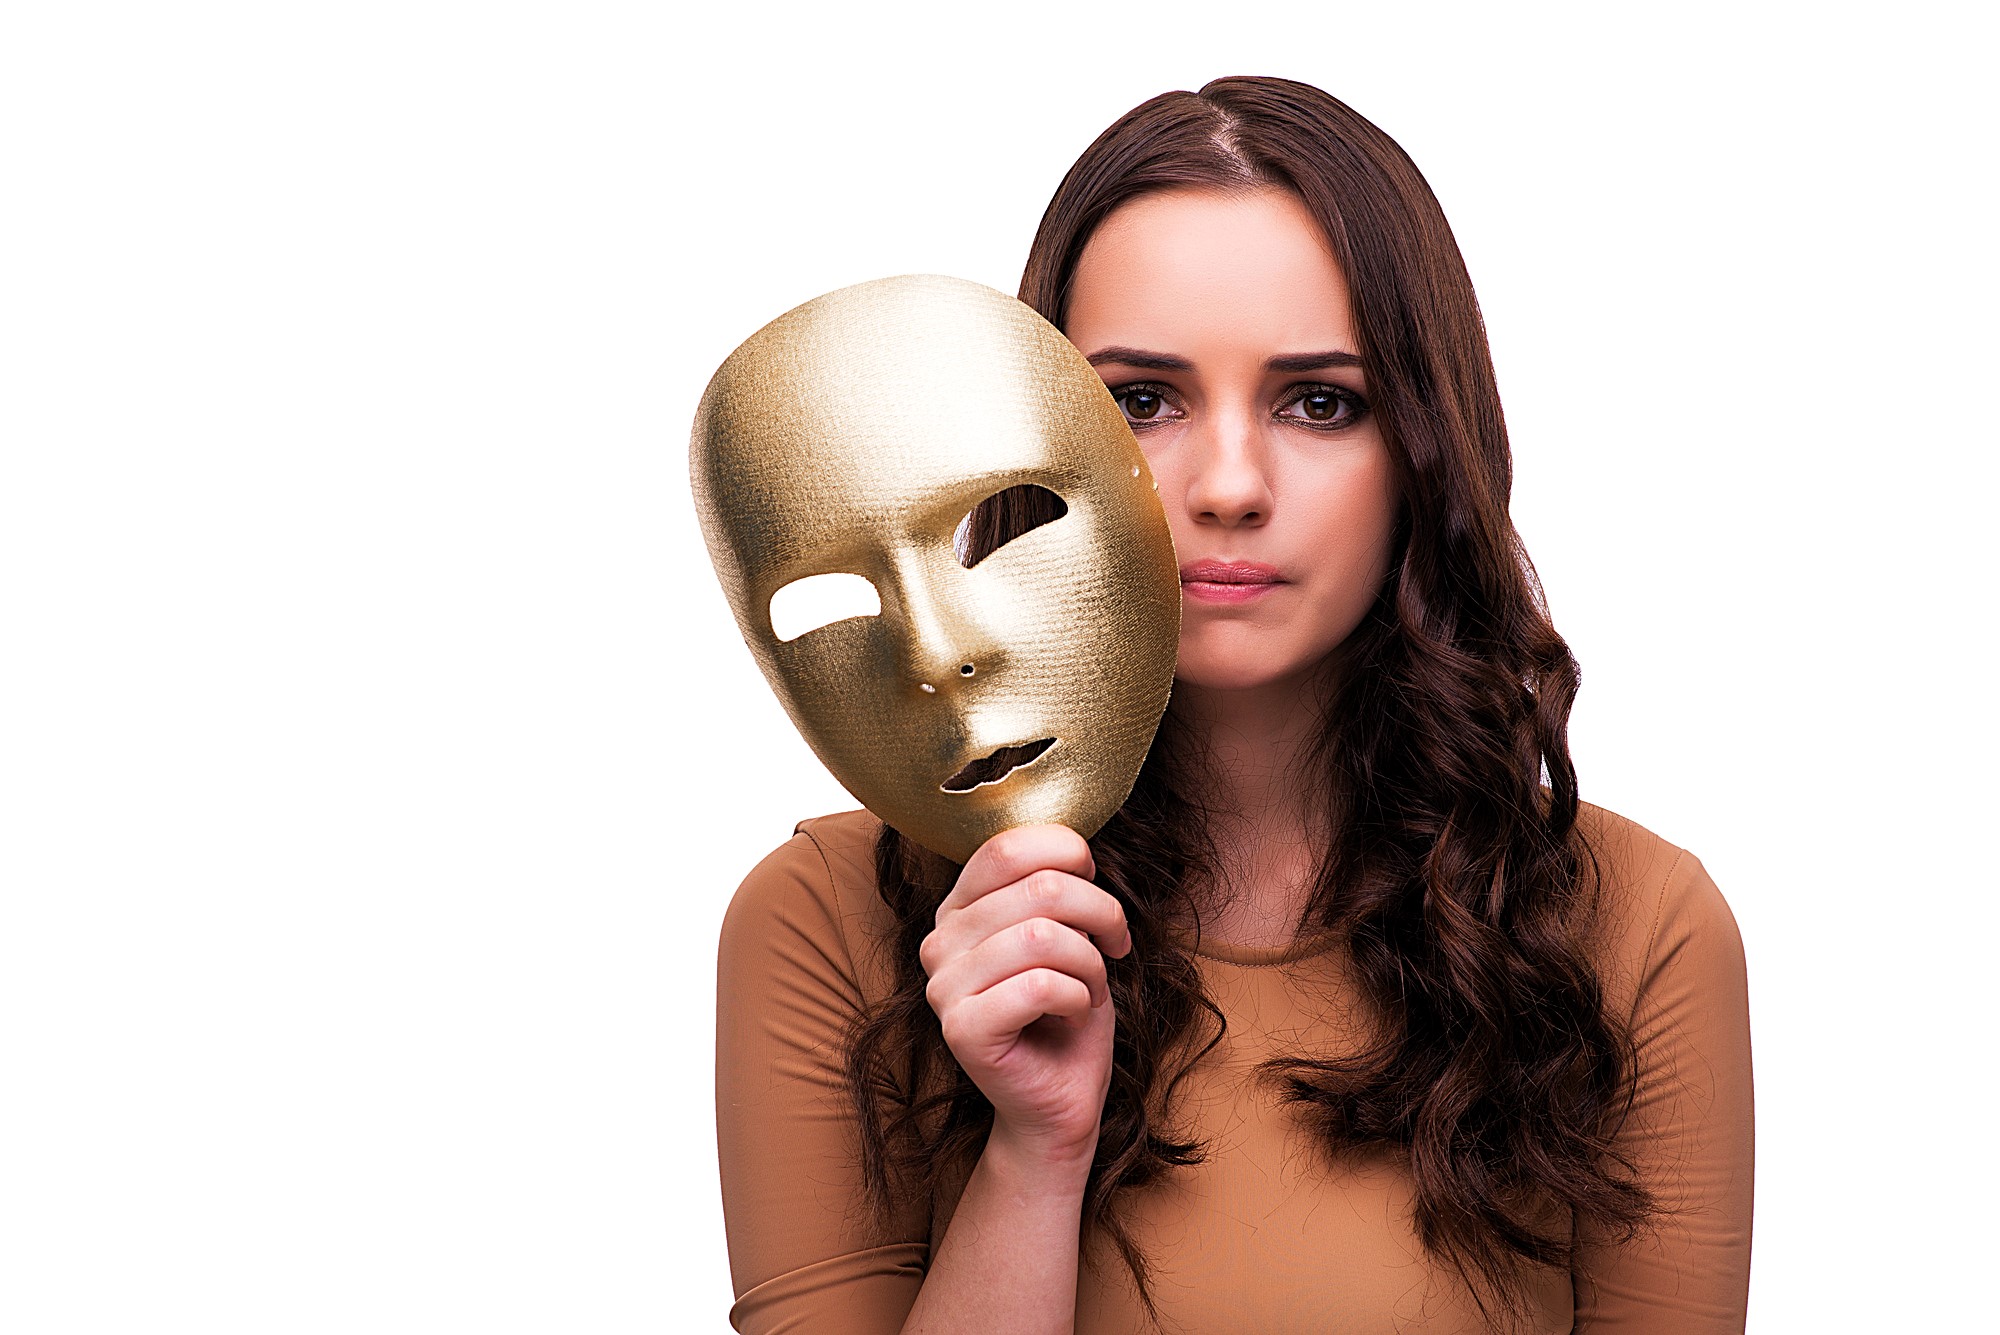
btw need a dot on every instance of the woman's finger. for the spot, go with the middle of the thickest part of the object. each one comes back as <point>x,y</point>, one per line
<point>1038,943</point>
<point>1012,854</point>
<point>1055,895</point>
<point>991,1019</point>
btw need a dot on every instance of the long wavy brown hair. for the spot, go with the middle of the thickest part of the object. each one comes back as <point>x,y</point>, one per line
<point>1454,871</point>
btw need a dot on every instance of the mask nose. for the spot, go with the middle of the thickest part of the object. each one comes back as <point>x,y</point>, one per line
<point>946,644</point>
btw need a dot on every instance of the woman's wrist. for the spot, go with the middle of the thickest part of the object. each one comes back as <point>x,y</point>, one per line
<point>1009,1256</point>
<point>1041,1163</point>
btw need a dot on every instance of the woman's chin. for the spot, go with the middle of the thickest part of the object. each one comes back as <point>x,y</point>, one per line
<point>1236,676</point>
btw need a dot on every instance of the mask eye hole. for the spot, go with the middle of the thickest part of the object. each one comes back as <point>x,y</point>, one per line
<point>1003,517</point>
<point>806,604</point>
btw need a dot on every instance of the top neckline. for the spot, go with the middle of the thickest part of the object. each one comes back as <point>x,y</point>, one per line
<point>1228,952</point>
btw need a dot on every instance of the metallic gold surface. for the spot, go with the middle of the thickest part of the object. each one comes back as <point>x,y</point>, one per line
<point>853,435</point>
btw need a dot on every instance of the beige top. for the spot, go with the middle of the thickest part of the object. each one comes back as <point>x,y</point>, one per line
<point>1267,1235</point>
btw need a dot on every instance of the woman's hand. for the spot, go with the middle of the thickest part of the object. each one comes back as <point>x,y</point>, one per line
<point>1018,982</point>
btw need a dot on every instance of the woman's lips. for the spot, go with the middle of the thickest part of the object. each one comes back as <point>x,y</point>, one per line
<point>1229,581</point>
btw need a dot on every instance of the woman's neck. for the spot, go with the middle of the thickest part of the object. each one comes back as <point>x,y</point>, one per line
<point>1253,751</point>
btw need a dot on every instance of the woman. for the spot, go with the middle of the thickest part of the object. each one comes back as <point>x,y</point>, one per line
<point>1353,1017</point>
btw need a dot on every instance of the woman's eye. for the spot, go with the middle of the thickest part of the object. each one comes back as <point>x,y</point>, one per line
<point>1142,403</point>
<point>1325,405</point>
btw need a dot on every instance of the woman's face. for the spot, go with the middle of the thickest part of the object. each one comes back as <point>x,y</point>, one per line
<point>1221,324</point>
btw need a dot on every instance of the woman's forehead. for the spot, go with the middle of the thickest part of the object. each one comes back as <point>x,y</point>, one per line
<point>1176,269</point>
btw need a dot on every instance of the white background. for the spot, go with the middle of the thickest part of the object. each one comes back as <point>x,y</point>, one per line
<point>379,755</point>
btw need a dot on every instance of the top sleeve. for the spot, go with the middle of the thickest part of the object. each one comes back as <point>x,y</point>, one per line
<point>1689,1133</point>
<point>804,1252</point>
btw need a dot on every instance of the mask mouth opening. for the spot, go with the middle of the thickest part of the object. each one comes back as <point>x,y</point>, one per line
<point>993,768</point>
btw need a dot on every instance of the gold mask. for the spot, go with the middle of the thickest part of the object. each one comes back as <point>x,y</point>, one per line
<point>858,436</point>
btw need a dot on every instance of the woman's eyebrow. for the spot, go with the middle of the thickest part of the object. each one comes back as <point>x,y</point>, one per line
<point>1145,361</point>
<point>1290,363</point>
<point>1311,361</point>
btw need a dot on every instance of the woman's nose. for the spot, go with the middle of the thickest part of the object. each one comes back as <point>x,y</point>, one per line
<point>1229,483</point>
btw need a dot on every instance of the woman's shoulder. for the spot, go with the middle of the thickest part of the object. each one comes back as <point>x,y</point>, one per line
<point>816,889</point>
<point>825,861</point>
<point>847,839</point>
<point>1658,909</point>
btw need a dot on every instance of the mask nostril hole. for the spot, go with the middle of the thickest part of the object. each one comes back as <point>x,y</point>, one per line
<point>965,670</point>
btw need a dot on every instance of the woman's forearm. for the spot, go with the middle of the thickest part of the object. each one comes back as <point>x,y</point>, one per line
<point>1007,1263</point>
